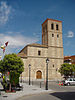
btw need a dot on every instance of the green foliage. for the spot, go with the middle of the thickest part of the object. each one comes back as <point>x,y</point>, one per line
<point>1,66</point>
<point>11,62</point>
<point>67,69</point>
<point>14,78</point>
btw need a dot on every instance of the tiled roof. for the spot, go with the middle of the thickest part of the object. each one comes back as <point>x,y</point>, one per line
<point>34,45</point>
<point>66,57</point>
<point>51,20</point>
<point>69,57</point>
<point>21,55</point>
<point>37,45</point>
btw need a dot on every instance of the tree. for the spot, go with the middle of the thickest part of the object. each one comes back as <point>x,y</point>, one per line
<point>14,65</point>
<point>67,69</point>
<point>12,62</point>
<point>1,66</point>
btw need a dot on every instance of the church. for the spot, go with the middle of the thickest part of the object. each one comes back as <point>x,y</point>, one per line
<point>34,55</point>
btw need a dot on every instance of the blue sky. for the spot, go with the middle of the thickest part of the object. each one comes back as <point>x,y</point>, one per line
<point>20,22</point>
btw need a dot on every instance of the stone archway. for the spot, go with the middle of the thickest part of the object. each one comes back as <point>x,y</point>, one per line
<point>38,74</point>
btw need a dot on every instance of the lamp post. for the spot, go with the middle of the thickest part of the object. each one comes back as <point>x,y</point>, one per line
<point>47,60</point>
<point>29,72</point>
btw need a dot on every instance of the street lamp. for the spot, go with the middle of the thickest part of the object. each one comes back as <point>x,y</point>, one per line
<point>29,72</point>
<point>47,60</point>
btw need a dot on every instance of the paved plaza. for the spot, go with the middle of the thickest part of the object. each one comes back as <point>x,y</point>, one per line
<point>27,90</point>
<point>38,90</point>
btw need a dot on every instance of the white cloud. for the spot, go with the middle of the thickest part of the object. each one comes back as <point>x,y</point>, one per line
<point>16,42</point>
<point>5,11</point>
<point>70,34</point>
<point>37,35</point>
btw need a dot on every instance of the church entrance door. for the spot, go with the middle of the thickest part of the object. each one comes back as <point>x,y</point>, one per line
<point>38,74</point>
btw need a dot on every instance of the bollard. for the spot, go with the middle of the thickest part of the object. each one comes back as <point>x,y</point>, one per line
<point>40,84</point>
<point>10,87</point>
<point>0,92</point>
<point>32,82</point>
<point>22,87</point>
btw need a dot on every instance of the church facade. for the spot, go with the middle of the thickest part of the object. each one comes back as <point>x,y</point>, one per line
<point>51,48</point>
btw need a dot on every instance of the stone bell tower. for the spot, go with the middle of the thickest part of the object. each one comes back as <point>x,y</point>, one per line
<point>52,37</point>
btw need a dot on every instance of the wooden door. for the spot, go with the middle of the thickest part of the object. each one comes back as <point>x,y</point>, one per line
<point>39,75</point>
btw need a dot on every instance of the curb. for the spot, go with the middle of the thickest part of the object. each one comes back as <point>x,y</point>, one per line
<point>31,94</point>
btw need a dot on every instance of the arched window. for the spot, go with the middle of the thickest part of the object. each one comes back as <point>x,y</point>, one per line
<point>57,28</point>
<point>57,35</point>
<point>53,65</point>
<point>39,53</point>
<point>52,26</point>
<point>52,35</point>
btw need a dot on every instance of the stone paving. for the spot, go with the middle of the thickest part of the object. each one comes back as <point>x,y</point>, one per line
<point>27,90</point>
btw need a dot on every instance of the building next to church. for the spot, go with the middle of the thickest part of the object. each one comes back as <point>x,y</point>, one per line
<point>51,48</point>
<point>69,59</point>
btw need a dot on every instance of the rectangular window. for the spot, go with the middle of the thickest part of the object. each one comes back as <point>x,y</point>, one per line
<point>57,27</point>
<point>52,35</point>
<point>39,53</point>
<point>57,35</point>
<point>52,26</point>
<point>46,28</point>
